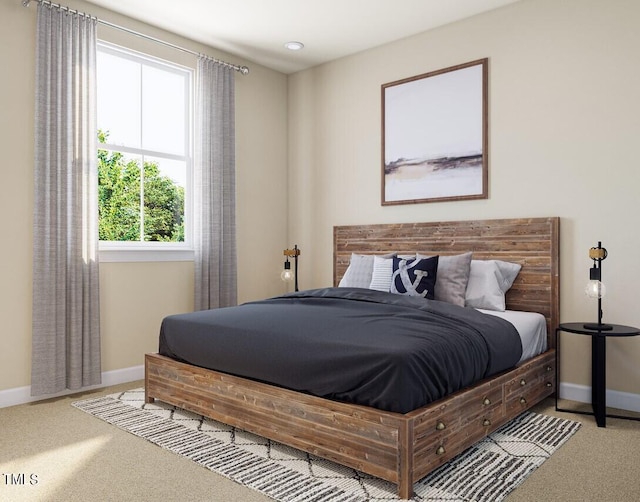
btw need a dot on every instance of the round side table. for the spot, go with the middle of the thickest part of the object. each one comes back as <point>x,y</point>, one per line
<point>598,364</point>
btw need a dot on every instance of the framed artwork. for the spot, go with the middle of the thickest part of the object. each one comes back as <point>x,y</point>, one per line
<point>434,136</point>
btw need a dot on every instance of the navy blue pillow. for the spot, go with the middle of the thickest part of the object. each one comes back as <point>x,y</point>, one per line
<point>414,277</point>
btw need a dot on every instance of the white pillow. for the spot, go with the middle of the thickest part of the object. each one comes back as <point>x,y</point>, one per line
<point>358,274</point>
<point>359,271</point>
<point>489,280</point>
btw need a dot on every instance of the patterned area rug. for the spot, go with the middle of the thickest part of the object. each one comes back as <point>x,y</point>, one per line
<point>488,471</point>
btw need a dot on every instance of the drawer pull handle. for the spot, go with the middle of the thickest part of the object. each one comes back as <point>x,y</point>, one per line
<point>441,426</point>
<point>486,401</point>
<point>548,368</point>
<point>523,400</point>
<point>523,382</point>
<point>548,384</point>
<point>440,450</point>
<point>486,422</point>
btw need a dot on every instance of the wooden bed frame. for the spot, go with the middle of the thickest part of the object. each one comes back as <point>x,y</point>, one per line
<point>400,448</point>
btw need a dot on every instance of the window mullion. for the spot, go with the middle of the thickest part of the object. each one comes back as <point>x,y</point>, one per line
<point>142,151</point>
<point>141,111</point>
<point>142,198</point>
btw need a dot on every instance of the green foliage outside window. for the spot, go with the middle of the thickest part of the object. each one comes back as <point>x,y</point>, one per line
<point>119,183</point>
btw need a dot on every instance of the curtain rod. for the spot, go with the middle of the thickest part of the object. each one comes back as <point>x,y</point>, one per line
<point>242,69</point>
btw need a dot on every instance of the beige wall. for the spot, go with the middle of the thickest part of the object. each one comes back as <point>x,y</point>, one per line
<point>563,131</point>
<point>134,296</point>
<point>563,141</point>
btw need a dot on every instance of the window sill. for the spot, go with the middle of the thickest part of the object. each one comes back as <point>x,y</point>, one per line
<point>141,254</point>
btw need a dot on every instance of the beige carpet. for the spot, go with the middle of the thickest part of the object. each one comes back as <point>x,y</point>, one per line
<point>74,457</point>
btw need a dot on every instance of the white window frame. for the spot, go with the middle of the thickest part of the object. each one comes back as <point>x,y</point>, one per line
<point>139,251</point>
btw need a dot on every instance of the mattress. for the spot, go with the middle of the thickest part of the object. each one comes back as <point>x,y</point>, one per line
<point>531,327</point>
<point>378,349</point>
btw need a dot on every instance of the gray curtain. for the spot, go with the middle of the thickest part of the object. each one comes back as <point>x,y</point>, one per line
<point>66,324</point>
<point>215,187</point>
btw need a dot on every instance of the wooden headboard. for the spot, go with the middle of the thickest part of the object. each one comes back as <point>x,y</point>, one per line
<point>531,242</point>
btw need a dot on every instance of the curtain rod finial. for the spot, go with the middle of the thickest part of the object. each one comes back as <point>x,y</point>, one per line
<point>244,70</point>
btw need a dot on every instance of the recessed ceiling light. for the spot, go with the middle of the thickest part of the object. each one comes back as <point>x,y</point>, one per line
<point>294,46</point>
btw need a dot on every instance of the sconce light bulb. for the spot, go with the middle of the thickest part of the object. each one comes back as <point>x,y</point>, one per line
<point>287,275</point>
<point>595,289</point>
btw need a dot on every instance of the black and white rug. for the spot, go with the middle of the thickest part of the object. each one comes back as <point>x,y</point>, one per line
<point>488,471</point>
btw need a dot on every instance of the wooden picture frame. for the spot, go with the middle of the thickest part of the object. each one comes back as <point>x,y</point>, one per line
<point>434,136</point>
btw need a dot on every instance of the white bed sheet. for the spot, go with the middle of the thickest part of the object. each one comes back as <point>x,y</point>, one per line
<point>531,326</point>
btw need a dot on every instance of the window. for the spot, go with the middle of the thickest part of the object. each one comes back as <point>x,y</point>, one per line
<point>144,152</point>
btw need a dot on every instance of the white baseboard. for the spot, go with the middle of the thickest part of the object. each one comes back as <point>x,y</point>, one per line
<point>615,399</point>
<point>580,393</point>
<point>22,395</point>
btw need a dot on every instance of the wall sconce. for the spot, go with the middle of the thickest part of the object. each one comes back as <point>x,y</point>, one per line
<point>595,288</point>
<point>286,274</point>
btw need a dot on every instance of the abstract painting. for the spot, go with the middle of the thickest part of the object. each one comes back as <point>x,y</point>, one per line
<point>434,136</point>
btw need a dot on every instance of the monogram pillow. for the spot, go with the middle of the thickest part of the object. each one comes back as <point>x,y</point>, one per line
<point>414,277</point>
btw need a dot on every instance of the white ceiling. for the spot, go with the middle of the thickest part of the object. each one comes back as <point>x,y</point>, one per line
<point>330,29</point>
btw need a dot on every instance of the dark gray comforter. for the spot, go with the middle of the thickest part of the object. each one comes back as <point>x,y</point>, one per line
<point>391,352</point>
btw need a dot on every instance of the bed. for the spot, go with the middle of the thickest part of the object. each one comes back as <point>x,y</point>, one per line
<point>400,447</point>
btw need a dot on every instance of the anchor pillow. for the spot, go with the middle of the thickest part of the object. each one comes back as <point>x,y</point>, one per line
<point>414,277</point>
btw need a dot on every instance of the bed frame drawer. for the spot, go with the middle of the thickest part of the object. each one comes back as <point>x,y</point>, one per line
<point>529,384</point>
<point>444,430</point>
<point>462,410</point>
<point>468,416</point>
